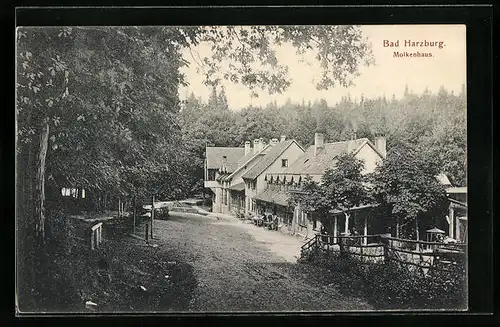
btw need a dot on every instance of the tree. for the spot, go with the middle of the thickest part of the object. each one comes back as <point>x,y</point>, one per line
<point>345,185</point>
<point>222,100</point>
<point>407,187</point>
<point>107,74</point>
<point>342,188</point>
<point>340,51</point>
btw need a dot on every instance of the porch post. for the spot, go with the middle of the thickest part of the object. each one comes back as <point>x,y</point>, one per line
<point>335,229</point>
<point>457,228</point>
<point>346,229</point>
<point>294,219</point>
<point>365,239</point>
<point>451,230</point>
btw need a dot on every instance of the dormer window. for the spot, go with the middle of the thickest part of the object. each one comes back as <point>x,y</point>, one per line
<point>284,162</point>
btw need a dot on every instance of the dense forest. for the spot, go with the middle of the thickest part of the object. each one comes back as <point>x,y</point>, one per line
<point>435,123</point>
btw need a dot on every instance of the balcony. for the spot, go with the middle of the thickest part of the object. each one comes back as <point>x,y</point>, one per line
<point>211,184</point>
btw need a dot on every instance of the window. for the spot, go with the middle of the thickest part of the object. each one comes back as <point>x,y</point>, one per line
<point>284,162</point>
<point>73,192</point>
<point>211,174</point>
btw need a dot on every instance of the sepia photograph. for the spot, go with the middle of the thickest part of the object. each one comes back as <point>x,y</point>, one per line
<point>256,168</point>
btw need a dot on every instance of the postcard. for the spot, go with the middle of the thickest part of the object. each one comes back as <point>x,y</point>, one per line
<point>276,168</point>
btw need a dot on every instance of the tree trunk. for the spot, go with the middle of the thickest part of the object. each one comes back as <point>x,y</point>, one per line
<point>417,237</point>
<point>40,182</point>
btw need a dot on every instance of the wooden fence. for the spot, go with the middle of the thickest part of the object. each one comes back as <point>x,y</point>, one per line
<point>412,254</point>
<point>95,236</point>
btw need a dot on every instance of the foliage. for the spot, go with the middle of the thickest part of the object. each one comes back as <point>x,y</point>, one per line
<point>342,188</point>
<point>406,185</point>
<point>436,123</point>
<point>390,286</point>
<point>245,54</point>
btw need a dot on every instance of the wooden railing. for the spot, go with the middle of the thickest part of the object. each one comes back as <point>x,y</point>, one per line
<point>312,242</point>
<point>95,236</point>
<point>383,248</point>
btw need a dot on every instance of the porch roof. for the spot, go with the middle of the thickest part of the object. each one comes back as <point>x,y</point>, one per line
<point>270,195</point>
<point>457,190</point>
<point>363,206</point>
<point>457,203</point>
<point>238,187</point>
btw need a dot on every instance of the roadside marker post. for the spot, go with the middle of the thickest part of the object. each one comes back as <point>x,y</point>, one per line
<point>152,215</point>
<point>135,210</point>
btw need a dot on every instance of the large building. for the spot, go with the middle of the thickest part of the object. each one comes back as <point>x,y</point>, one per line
<point>259,180</point>
<point>314,162</point>
<point>233,173</point>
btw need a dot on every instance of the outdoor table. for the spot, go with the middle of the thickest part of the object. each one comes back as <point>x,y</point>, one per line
<point>258,221</point>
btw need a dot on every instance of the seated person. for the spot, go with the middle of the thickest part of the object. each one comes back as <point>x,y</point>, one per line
<point>275,222</point>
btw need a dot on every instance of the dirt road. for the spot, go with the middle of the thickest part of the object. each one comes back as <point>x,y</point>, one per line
<point>241,267</point>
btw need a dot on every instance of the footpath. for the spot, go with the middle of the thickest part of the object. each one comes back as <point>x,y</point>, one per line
<point>285,246</point>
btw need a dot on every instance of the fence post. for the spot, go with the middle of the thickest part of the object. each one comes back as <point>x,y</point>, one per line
<point>385,244</point>
<point>92,239</point>
<point>152,215</point>
<point>361,253</point>
<point>341,244</point>
<point>135,206</point>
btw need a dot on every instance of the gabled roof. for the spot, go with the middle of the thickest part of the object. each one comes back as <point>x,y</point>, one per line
<point>310,164</point>
<point>245,160</point>
<point>443,179</point>
<point>214,156</point>
<point>268,159</point>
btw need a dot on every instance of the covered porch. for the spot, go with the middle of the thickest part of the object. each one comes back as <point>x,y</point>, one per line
<point>358,221</point>
<point>237,198</point>
<point>457,220</point>
<point>274,201</point>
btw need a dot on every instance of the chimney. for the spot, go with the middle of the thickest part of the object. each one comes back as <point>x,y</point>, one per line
<point>261,144</point>
<point>223,164</point>
<point>274,141</point>
<point>283,138</point>
<point>319,140</point>
<point>351,145</point>
<point>247,147</point>
<point>380,144</point>
<point>256,145</point>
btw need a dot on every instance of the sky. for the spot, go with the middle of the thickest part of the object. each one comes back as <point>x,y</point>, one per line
<point>389,75</point>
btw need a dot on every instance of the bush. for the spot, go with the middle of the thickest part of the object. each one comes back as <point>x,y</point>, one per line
<point>162,213</point>
<point>389,285</point>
